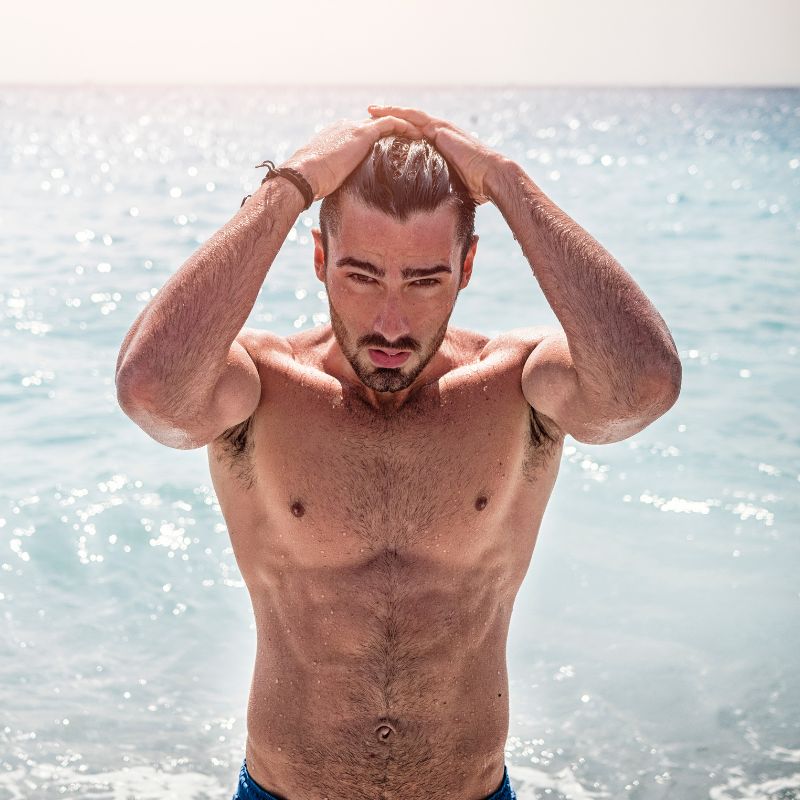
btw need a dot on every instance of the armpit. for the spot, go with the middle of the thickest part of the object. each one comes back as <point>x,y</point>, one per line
<point>235,446</point>
<point>543,430</point>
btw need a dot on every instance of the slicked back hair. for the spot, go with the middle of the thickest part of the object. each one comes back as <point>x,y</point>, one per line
<point>400,177</point>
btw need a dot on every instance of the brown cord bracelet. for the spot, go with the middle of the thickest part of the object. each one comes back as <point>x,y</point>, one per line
<point>291,174</point>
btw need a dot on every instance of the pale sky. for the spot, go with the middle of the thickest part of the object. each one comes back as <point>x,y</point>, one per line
<point>422,42</point>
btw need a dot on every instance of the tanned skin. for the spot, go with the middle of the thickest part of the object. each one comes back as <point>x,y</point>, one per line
<point>384,517</point>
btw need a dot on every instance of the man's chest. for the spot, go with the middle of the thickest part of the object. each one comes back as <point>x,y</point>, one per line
<point>377,477</point>
<point>330,465</point>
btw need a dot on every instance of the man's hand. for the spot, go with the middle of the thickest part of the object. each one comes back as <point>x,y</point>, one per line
<point>471,158</point>
<point>337,150</point>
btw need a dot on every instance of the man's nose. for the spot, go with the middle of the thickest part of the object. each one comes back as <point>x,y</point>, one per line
<point>392,321</point>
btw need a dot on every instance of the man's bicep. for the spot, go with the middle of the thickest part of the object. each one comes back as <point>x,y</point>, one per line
<point>550,384</point>
<point>233,399</point>
<point>237,392</point>
<point>240,388</point>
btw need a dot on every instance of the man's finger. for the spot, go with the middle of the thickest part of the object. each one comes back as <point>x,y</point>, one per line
<point>388,124</point>
<point>413,115</point>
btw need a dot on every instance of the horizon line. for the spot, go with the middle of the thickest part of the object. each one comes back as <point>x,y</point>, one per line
<point>384,86</point>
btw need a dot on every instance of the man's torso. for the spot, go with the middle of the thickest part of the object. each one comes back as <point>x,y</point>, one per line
<point>383,552</point>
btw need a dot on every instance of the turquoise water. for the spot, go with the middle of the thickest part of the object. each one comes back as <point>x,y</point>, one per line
<point>653,651</point>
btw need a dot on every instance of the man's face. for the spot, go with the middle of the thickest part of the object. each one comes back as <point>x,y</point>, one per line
<point>391,289</point>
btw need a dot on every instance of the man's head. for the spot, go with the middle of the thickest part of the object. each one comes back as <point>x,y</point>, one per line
<point>400,177</point>
<point>395,246</point>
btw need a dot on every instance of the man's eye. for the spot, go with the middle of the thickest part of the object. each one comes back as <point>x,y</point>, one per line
<point>427,282</point>
<point>360,278</point>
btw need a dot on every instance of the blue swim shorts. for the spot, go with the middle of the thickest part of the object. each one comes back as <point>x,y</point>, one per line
<point>248,789</point>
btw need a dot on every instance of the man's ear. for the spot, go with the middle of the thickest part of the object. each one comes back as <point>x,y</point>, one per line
<point>466,272</point>
<point>319,254</point>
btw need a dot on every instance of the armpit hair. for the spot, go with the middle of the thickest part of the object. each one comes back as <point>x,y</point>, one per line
<point>539,432</point>
<point>236,446</point>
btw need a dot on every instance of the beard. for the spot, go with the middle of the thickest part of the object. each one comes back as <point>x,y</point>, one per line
<point>385,379</point>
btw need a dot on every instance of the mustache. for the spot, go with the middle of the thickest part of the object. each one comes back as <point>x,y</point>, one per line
<point>400,344</point>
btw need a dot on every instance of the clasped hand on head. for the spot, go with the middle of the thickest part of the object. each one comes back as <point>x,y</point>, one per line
<point>338,149</point>
<point>472,159</point>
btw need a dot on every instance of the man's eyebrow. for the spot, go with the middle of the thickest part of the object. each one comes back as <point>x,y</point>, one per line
<point>407,272</point>
<point>423,272</point>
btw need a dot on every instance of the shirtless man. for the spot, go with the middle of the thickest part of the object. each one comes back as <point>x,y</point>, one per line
<point>383,477</point>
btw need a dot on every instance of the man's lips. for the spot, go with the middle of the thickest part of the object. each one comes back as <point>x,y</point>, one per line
<point>388,358</point>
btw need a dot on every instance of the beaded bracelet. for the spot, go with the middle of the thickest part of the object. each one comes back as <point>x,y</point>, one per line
<point>291,174</point>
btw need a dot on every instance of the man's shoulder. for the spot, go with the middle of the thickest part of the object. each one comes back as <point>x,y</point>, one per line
<point>264,346</point>
<point>515,343</point>
<point>287,356</point>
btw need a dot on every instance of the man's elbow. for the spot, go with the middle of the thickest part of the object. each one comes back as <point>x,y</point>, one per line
<point>667,383</point>
<point>659,391</point>
<point>134,402</point>
<point>625,413</point>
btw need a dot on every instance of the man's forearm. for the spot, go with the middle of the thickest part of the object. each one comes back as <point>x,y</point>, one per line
<point>620,345</point>
<point>178,345</point>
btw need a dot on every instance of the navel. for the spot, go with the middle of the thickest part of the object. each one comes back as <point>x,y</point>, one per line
<point>481,502</point>
<point>383,732</point>
<point>298,509</point>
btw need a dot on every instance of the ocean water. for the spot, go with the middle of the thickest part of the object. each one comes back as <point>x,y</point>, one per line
<point>653,651</point>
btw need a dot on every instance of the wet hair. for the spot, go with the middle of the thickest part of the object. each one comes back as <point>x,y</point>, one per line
<point>399,177</point>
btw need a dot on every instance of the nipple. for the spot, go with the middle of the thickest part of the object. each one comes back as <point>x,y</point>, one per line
<point>298,509</point>
<point>481,502</point>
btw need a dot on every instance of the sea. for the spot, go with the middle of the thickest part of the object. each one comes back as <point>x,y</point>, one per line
<point>654,649</point>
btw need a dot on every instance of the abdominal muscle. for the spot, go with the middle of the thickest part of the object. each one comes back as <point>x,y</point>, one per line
<point>372,683</point>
